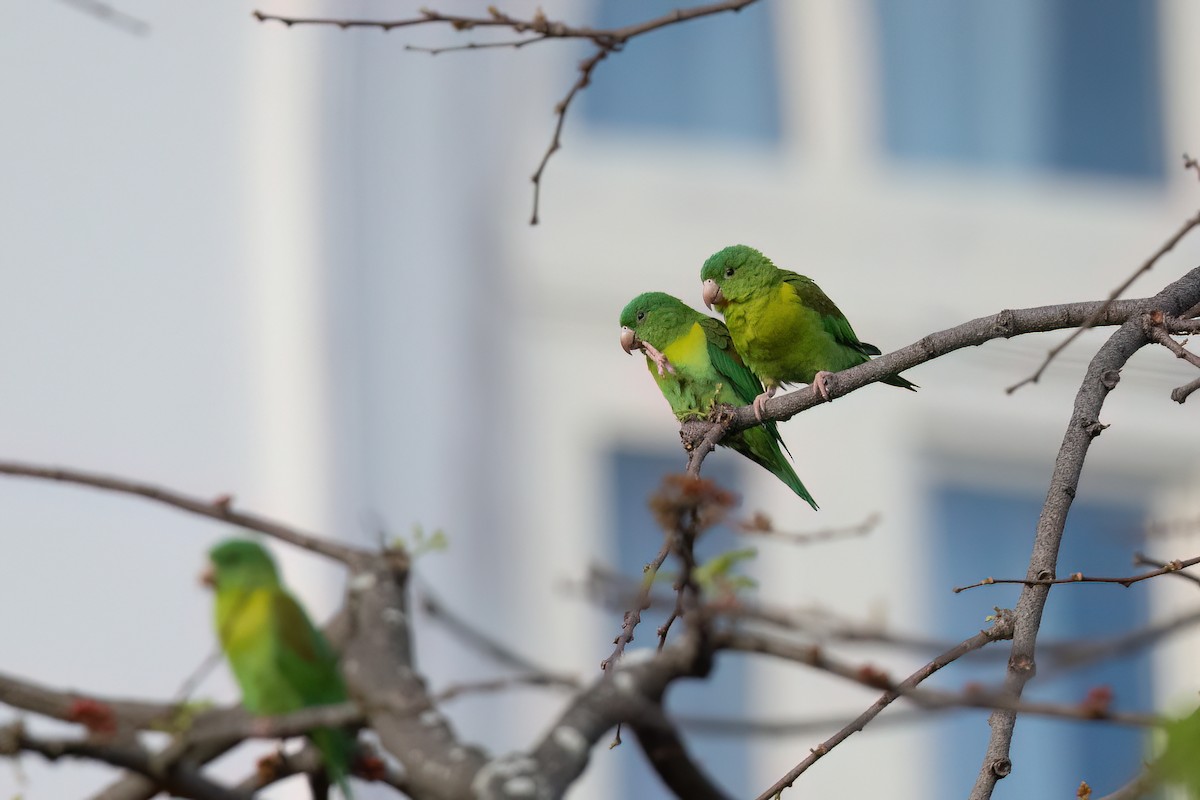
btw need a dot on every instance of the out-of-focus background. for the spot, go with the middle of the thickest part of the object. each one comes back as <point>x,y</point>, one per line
<point>294,265</point>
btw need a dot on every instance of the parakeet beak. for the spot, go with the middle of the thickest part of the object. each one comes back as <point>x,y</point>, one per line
<point>629,340</point>
<point>712,294</point>
<point>208,577</point>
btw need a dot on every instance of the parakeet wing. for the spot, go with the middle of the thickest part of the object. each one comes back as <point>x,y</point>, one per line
<point>833,320</point>
<point>305,658</point>
<point>726,361</point>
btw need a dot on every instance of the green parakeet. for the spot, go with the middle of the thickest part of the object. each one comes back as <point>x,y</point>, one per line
<point>785,327</point>
<point>695,365</point>
<point>281,661</point>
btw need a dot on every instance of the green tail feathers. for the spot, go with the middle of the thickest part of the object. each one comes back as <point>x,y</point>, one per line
<point>337,752</point>
<point>758,445</point>
<point>788,475</point>
<point>901,381</point>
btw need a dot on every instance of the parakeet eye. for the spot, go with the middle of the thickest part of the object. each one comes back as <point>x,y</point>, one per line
<point>641,315</point>
<point>729,272</point>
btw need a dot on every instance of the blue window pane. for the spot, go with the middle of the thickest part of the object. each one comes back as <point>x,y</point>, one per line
<point>980,532</point>
<point>1025,84</point>
<point>714,77</point>
<point>1105,68</point>
<point>637,538</point>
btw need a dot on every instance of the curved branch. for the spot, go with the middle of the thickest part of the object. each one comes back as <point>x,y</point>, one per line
<point>629,692</point>
<point>180,780</point>
<point>1006,324</point>
<point>220,508</point>
<point>668,756</point>
<point>81,708</point>
<point>1102,375</point>
<point>378,665</point>
<point>539,29</point>
<point>538,24</point>
<point>1002,628</point>
<point>1094,318</point>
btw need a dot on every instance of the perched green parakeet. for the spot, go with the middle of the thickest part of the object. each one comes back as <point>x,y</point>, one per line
<point>694,364</point>
<point>785,327</point>
<point>281,661</point>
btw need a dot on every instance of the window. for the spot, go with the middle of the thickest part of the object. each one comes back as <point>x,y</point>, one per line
<point>637,538</point>
<point>714,77</point>
<point>1055,85</point>
<point>980,532</point>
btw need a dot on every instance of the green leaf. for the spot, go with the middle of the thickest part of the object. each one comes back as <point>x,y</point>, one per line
<point>1180,761</point>
<point>422,543</point>
<point>717,574</point>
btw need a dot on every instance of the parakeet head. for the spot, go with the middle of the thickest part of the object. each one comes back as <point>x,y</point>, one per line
<point>242,564</point>
<point>732,274</point>
<point>656,318</point>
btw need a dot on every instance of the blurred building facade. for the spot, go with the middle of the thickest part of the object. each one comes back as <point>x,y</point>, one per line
<point>300,272</point>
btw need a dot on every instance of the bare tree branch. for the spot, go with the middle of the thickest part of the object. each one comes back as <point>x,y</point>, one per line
<point>1079,577</point>
<point>1002,628</point>
<point>629,692</point>
<point>1094,318</point>
<point>1102,376</point>
<point>180,780</point>
<point>1140,786</point>
<point>487,644</point>
<point>633,616</point>
<point>308,761</point>
<point>1141,558</point>
<point>538,24</point>
<point>760,525</point>
<point>668,755</point>
<point>110,15</point>
<point>539,29</point>
<point>377,662</point>
<point>88,710</point>
<point>220,508</point>
<point>1006,324</point>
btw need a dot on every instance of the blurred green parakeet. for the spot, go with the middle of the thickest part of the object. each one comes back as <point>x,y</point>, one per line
<point>785,327</point>
<point>695,365</point>
<point>281,661</point>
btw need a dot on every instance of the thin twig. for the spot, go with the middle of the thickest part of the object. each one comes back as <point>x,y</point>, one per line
<point>606,40</point>
<point>687,593</point>
<point>560,110</point>
<point>1079,577</point>
<point>1095,707</point>
<point>1001,628</point>
<point>1144,560</point>
<point>1170,528</point>
<point>210,662</point>
<point>1140,786</point>
<point>1192,164</point>
<point>551,29</point>
<point>478,638</point>
<point>1158,326</point>
<point>433,51</point>
<point>536,679</point>
<point>1113,295</point>
<point>111,15</point>
<point>634,615</point>
<point>760,525</point>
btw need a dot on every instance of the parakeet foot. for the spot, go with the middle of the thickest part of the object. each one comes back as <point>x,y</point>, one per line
<point>821,382</point>
<point>664,366</point>
<point>761,401</point>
